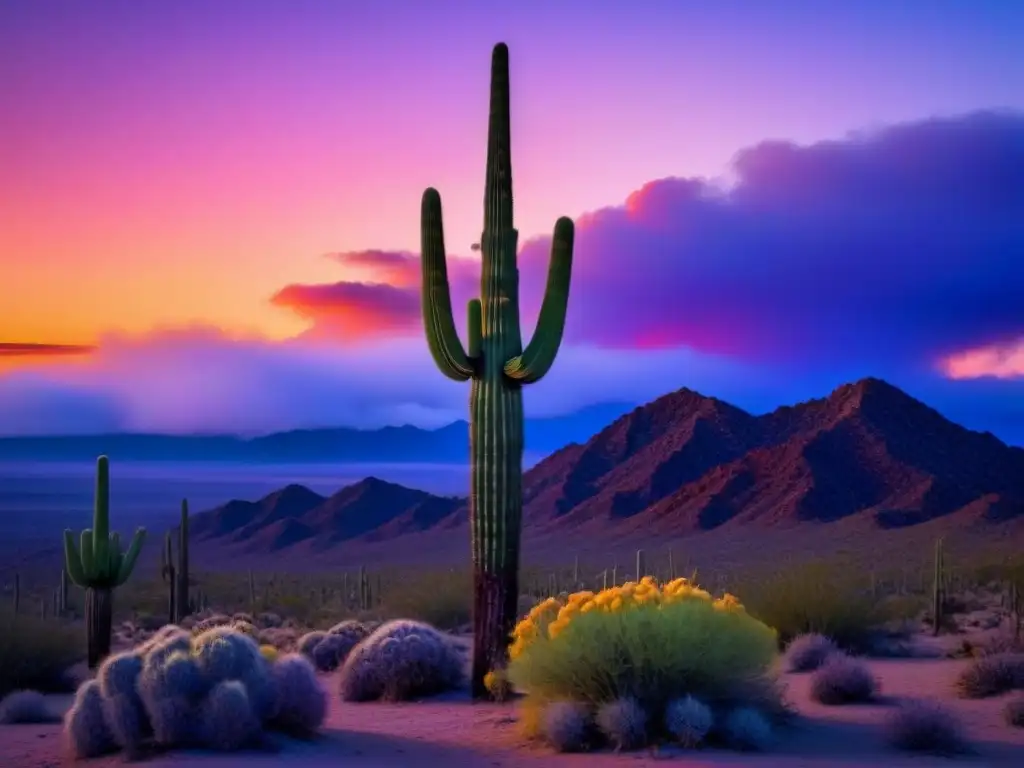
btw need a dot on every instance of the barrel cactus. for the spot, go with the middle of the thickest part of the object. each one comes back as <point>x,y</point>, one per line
<point>99,566</point>
<point>499,367</point>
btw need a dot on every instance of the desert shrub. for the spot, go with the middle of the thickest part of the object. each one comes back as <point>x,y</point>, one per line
<point>747,729</point>
<point>623,723</point>
<point>401,660</point>
<point>309,641</point>
<point>805,653</point>
<point>36,654</point>
<point>991,676</point>
<point>818,599</point>
<point>85,724</point>
<point>843,680</point>
<point>646,643</point>
<point>214,620</point>
<point>565,725</point>
<point>26,707</point>
<point>332,649</point>
<point>228,717</point>
<point>442,601</point>
<point>282,638</point>
<point>224,654</point>
<point>216,689</point>
<point>245,627</point>
<point>302,699</point>
<point>118,677</point>
<point>688,721</point>
<point>1013,712</point>
<point>925,726</point>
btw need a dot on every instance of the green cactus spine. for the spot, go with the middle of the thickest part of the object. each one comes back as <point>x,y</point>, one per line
<point>498,366</point>
<point>99,566</point>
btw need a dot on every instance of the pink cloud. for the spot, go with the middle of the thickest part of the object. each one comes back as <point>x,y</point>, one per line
<point>1000,361</point>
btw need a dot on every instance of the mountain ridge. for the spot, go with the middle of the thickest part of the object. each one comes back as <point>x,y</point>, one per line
<point>329,444</point>
<point>868,454</point>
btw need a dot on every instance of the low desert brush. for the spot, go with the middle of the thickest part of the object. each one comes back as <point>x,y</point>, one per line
<point>26,707</point>
<point>817,599</point>
<point>1013,711</point>
<point>36,654</point>
<point>925,726</point>
<point>843,679</point>
<point>215,690</point>
<point>991,676</point>
<point>647,644</point>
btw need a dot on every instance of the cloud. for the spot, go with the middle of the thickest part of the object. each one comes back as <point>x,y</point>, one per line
<point>899,246</point>
<point>11,349</point>
<point>1000,361</point>
<point>350,311</point>
<point>895,253</point>
<point>385,301</point>
<point>199,380</point>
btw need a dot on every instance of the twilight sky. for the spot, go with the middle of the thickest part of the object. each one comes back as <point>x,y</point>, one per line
<point>209,212</point>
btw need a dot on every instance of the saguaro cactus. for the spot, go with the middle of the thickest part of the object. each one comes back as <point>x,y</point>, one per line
<point>181,592</point>
<point>169,574</point>
<point>99,566</point>
<point>498,366</point>
<point>938,589</point>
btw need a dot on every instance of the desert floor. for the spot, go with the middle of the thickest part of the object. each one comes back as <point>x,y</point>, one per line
<point>452,732</point>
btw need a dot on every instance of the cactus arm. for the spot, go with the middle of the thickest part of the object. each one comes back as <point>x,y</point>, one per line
<point>442,337</point>
<point>73,560</point>
<point>128,561</point>
<point>539,355</point>
<point>114,558</point>
<point>475,325</point>
<point>86,550</point>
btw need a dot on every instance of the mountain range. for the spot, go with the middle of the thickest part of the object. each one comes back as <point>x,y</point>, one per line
<point>685,464</point>
<point>340,444</point>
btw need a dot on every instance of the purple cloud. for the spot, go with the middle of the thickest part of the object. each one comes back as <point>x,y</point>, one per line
<point>900,245</point>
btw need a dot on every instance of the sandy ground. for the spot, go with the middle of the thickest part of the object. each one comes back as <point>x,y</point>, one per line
<point>453,732</point>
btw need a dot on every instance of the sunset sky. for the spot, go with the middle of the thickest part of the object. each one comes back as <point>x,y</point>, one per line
<point>209,211</point>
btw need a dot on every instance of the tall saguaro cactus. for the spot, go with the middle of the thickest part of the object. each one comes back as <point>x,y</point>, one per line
<point>498,366</point>
<point>99,566</point>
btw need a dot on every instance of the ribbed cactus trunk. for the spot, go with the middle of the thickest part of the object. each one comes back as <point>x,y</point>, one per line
<point>99,624</point>
<point>499,367</point>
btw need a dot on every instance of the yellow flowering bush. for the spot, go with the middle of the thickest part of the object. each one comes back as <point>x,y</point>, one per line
<point>646,641</point>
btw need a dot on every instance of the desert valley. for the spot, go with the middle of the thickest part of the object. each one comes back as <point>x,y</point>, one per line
<point>866,468</point>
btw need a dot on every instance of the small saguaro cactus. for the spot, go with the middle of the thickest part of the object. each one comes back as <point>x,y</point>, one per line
<point>938,590</point>
<point>499,367</point>
<point>169,574</point>
<point>174,569</point>
<point>99,566</point>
